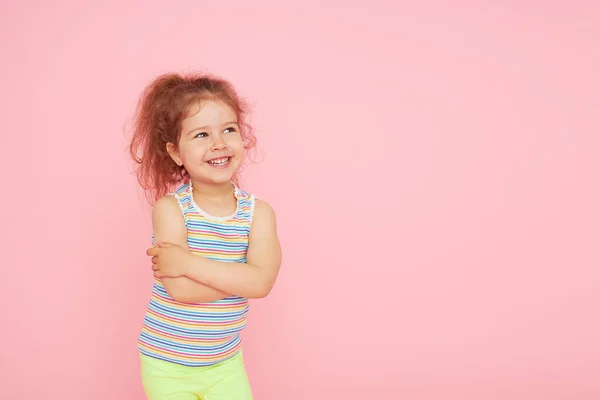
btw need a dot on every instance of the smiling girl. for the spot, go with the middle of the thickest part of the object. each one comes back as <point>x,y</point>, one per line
<point>215,245</point>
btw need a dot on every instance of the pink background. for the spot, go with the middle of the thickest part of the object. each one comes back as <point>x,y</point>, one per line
<point>435,171</point>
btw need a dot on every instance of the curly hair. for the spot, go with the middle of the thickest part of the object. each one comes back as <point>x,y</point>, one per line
<point>163,105</point>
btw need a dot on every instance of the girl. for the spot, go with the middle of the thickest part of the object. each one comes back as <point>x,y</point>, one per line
<point>214,245</point>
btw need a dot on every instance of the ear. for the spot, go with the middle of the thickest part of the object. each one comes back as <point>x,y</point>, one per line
<point>174,154</point>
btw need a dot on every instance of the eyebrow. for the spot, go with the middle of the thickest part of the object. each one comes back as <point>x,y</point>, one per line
<point>199,128</point>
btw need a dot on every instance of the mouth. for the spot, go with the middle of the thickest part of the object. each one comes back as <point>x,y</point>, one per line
<point>221,162</point>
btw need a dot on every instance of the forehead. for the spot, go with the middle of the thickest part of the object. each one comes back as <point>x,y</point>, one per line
<point>209,113</point>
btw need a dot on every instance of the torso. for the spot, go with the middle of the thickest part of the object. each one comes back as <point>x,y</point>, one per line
<point>207,333</point>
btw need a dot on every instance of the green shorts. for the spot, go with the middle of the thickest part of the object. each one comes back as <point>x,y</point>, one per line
<point>223,381</point>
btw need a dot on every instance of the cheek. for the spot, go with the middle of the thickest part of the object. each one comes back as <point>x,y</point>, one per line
<point>192,154</point>
<point>236,144</point>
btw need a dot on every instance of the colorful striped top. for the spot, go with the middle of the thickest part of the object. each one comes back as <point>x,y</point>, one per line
<point>208,333</point>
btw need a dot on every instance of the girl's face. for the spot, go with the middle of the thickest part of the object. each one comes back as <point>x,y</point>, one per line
<point>210,147</point>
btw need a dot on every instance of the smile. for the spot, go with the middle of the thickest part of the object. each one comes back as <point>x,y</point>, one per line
<point>220,162</point>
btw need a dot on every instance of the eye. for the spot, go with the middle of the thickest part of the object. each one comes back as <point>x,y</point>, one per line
<point>201,134</point>
<point>230,129</point>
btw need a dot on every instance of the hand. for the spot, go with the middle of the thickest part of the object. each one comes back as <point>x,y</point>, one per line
<point>169,260</point>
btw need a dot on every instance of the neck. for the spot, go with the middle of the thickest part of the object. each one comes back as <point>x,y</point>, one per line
<point>212,190</point>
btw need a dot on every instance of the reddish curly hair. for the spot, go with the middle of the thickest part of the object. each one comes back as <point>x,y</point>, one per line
<point>163,105</point>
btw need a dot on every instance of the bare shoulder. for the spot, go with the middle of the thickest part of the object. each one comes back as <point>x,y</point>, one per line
<point>166,205</point>
<point>167,220</point>
<point>264,219</point>
<point>262,210</point>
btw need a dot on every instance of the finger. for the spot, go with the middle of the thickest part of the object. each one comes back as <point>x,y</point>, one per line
<point>154,260</point>
<point>155,267</point>
<point>153,251</point>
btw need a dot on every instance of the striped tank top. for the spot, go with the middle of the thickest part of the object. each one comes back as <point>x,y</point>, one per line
<point>201,334</point>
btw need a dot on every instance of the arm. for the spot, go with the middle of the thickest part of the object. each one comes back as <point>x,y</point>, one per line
<point>256,277</point>
<point>169,226</point>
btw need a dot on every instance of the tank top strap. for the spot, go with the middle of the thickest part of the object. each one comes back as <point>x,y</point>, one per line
<point>183,195</point>
<point>246,203</point>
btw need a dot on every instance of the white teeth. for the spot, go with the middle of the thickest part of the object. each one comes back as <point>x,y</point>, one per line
<point>219,161</point>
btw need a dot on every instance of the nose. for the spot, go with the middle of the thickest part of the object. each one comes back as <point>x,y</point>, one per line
<point>218,143</point>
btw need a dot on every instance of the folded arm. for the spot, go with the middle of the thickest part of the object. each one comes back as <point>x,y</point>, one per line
<point>256,277</point>
<point>169,226</point>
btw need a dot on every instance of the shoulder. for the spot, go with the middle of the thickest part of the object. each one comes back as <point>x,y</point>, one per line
<point>263,237</point>
<point>173,202</point>
<point>264,216</point>
<point>168,221</point>
<point>256,207</point>
<point>264,209</point>
<point>166,207</point>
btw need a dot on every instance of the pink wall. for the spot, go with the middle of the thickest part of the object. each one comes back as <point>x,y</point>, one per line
<point>435,170</point>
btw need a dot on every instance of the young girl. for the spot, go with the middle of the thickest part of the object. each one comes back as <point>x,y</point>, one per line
<point>214,245</point>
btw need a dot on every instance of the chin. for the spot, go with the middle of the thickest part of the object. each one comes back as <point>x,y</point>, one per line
<point>216,178</point>
<point>219,180</point>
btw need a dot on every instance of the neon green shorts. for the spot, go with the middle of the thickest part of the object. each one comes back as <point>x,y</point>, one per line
<point>224,381</point>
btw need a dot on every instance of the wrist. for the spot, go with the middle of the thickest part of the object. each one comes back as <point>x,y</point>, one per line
<point>193,266</point>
